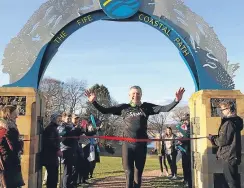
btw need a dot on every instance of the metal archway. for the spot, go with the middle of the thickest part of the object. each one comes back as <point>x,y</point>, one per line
<point>27,56</point>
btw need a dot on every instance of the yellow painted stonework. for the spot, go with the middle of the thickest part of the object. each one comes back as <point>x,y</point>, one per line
<point>29,129</point>
<point>204,163</point>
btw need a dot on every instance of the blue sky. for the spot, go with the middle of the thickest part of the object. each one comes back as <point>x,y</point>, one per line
<point>119,55</point>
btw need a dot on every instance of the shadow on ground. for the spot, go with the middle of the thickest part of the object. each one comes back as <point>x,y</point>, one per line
<point>163,182</point>
<point>148,182</point>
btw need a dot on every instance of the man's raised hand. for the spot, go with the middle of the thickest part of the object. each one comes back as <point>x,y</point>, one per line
<point>91,96</point>
<point>179,94</point>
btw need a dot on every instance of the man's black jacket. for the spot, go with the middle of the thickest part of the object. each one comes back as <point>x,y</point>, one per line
<point>51,145</point>
<point>72,133</point>
<point>229,139</point>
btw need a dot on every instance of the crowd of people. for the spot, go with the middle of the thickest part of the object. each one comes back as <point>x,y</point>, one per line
<point>228,142</point>
<point>169,148</point>
<point>62,144</point>
<point>64,149</point>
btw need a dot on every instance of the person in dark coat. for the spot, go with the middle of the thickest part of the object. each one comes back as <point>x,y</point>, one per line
<point>10,149</point>
<point>78,166</point>
<point>51,150</point>
<point>229,144</point>
<point>85,147</point>
<point>69,147</point>
<point>186,154</point>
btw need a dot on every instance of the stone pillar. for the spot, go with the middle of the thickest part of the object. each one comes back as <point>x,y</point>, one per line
<point>207,171</point>
<point>31,112</point>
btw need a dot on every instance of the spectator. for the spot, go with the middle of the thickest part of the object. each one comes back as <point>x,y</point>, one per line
<point>171,152</point>
<point>69,147</point>
<point>160,148</point>
<point>51,150</point>
<point>94,153</point>
<point>228,141</point>
<point>10,149</point>
<point>80,166</point>
<point>86,143</point>
<point>186,154</point>
<point>79,153</point>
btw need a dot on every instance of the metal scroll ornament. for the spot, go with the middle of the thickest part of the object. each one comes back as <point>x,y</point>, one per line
<point>210,55</point>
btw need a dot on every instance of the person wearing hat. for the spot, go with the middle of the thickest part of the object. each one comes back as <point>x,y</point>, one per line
<point>186,154</point>
<point>51,150</point>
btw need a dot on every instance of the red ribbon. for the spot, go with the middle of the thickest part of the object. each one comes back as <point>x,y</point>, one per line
<point>118,138</point>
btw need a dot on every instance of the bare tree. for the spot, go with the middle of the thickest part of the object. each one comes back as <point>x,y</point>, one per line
<point>111,124</point>
<point>62,96</point>
<point>156,123</point>
<point>74,94</point>
<point>114,122</point>
<point>52,91</point>
<point>179,112</point>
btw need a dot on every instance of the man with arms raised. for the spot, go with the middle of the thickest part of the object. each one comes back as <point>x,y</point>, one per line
<point>135,116</point>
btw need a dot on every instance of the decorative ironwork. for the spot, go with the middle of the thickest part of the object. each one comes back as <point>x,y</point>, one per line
<point>28,47</point>
<point>215,110</point>
<point>200,35</point>
<point>18,101</point>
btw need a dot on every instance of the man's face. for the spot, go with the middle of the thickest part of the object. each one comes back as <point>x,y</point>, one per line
<point>64,118</point>
<point>59,120</point>
<point>225,111</point>
<point>76,120</point>
<point>14,115</point>
<point>135,95</point>
<point>69,120</point>
<point>186,122</point>
<point>168,131</point>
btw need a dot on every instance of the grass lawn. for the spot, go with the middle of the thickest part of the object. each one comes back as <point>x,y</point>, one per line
<point>112,166</point>
<point>162,182</point>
